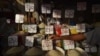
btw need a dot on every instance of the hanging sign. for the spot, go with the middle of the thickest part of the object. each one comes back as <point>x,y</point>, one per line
<point>47,44</point>
<point>32,28</point>
<point>46,8</point>
<point>69,13</point>
<point>80,28</point>
<point>29,41</point>
<point>29,7</point>
<point>49,29</point>
<point>19,18</point>
<point>64,31</point>
<point>96,8</point>
<point>12,41</point>
<point>81,6</point>
<point>56,14</point>
<point>68,44</point>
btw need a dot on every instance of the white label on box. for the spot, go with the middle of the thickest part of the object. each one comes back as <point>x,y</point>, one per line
<point>69,13</point>
<point>64,31</point>
<point>56,14</point>
<point>68,44</point>
<point>49,29</point>
<point>47,45</point>
<point>13,41</point>
<point>19,18</point>
<point>81,6</point>
<point>80,27</point>
<point>46,8</point>
<point>32,28</point>
<point>29,7</point>
<point>29,41</point>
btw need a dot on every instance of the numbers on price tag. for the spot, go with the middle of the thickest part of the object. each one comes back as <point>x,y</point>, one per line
<point>64,31</point>
<point>29,7</point>
<point>19,18</point>
<point>49,29</point>
<point>68,44</point>
<point>32,28</point>
<point>46,8</point>
<point>47,45</point>
<point>12,41</point>
<point>29,41</point>
<point>56,14</point>
<point>69,13</point>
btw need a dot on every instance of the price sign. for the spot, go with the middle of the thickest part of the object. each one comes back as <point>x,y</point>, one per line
<point>32,28</point>
<point>29,41</point>
<point>46,8</point>
<point>69,13</point>
<point>13,41</point>
<point>81,6</point>
<point>68,44</point>
<point>56,14</point>
<point>19,18</point>
<point>64,31</point>
<point>49,29</point>
<point>47,45</point>
<point>29,7</point>
<point>80,28</point>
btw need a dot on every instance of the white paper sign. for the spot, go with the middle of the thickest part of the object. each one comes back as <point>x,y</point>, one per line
<point>19,18</point>
<point>29,41</point>
<point>49,29</point>
<point>69,13</point>
<point>96,8</point>
<point>47,45</point>
<point>68,44</point>
<point>56,14</point>
<point>64,31</point>
<point>80,28</point>
<point>12,41</point>
<point>81,6</point>
<point>32,28</point>
<point>29,7</point>
<point>46,8</point>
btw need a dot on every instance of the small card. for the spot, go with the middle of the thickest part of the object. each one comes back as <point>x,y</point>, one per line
<point>81,6</point>
<point>49,29</point>
<point>47,45</point>
<point>56,13</point>
<point>64,31</point>
<point>69,13</point>
<point>80,28</point>
<point>68,44</point>
<point>19,18</point>
<point>29,41</point>
<point>46,8</point>
<point>32,28</point>
<point>12,41</point>
<point>29,7</point>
